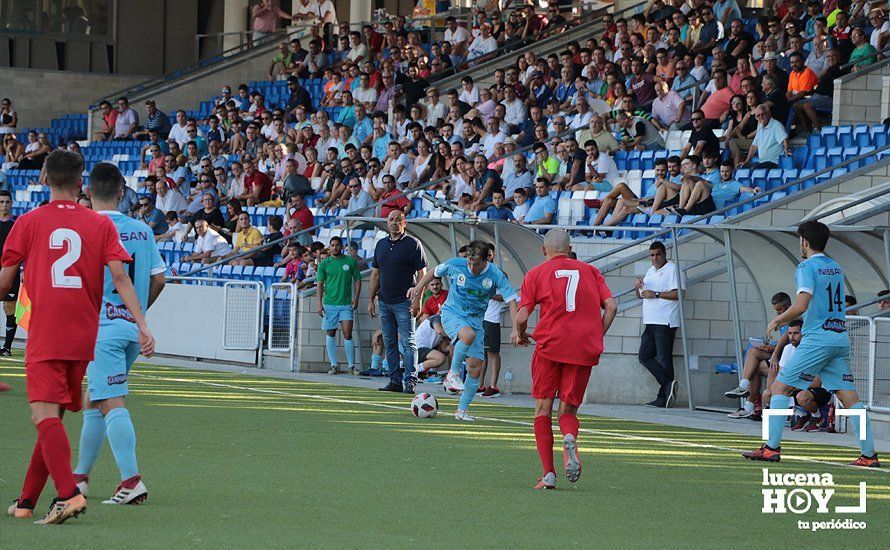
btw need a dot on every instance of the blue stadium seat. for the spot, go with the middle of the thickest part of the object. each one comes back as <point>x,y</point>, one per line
<point>845,136</point>
<point>829,136</point>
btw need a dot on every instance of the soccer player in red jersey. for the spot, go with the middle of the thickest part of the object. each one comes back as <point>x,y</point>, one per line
<point>577,309</point>
<point>65,248</point>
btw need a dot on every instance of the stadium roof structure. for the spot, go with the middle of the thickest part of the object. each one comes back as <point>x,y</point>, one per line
<point>771,254</point>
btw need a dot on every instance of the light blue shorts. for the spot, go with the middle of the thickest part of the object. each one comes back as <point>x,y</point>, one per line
<point>107,373</point>
<point>831,363</point>
<point>453,323</point>
<point>334,314</point>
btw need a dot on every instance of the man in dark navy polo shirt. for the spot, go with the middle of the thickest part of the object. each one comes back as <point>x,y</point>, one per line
<point>399,262</point>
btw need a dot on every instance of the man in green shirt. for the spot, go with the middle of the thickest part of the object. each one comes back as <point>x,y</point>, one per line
<point>280,62</point>
<point>339,285</point>
<point>864,54</point>
<point>547,166</point>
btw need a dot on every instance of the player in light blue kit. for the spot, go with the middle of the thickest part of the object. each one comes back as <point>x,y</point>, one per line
<point>472,282</point>
<point>825,348</point>
<point>117,348</point>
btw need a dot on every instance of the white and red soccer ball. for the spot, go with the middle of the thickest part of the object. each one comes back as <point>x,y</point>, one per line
<point>424,405</point>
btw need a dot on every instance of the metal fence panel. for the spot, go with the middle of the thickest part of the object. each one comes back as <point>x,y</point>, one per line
<point>282,317</point>
<point>859,329</point>
<point>243,315</point>
<point>880,370</point>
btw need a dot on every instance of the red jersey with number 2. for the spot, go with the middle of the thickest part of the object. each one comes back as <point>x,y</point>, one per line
<point>572,295</point>
<point>65,248</point>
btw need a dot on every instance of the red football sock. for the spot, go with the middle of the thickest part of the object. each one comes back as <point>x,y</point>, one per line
<point>544,441</point>
<point>568,424</point>
<point>57,455</point>
<point>35,478</point>
<point>132,482</point>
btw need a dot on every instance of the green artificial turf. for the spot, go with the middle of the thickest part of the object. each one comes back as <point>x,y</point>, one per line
<point>279,463</point>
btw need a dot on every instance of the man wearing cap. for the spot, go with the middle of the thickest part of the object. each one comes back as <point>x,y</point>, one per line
<point>770,67</point>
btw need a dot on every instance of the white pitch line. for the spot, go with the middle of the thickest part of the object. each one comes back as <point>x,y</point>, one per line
<point>618,435</point>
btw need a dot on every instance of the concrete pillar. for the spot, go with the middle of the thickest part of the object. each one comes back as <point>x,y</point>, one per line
<point>234,20</point>
<point>359,12</point>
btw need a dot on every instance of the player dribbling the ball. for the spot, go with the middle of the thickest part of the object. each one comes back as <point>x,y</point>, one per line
<point>577,310</point>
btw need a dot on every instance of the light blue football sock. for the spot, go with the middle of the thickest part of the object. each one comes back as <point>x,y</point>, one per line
<point>470,386</point>
<point>92,435</point>
<point>777,423</point>
<point>459,355</point>
<point>330,343</point>
<point>350,352</point>
<point>867,445</point>
<point>375,361</point>
<point>122,438</point>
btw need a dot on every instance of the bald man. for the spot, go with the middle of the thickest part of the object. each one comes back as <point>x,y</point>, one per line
<point>574,300</point>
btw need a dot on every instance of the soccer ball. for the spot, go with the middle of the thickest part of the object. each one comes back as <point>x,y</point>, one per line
<point>424,405</point>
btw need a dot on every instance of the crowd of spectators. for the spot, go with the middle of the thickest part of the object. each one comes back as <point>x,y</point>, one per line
<point>542,124</point>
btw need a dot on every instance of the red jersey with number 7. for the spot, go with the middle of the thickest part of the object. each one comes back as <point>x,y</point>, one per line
<point>65,248</point>
<point>572,295</point>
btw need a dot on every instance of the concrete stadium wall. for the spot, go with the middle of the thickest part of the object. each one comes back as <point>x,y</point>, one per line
<point>863,97</point>
<point>38,96</point>
<point>189,322</point>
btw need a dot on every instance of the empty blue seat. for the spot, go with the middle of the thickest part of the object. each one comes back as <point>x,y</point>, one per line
<point>829,136</point>
<point>845,136</point>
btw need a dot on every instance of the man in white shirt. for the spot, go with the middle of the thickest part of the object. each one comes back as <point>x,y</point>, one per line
<point>169,199</point>
<point>179,131</point>
<point>457,36</point>
<point>432,344</point>
<point>661,317</point>
<point>365,93</point>
<point>398,164</point>
<point>482,45</point>
<point>307,10</point>
<point>327,13</point>
<point>435,109</point>
<point>515,108</point>
<point>209,246</point>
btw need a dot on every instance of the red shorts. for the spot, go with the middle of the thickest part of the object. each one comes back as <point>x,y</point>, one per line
<point>551,379</point>
<point>56,381</point>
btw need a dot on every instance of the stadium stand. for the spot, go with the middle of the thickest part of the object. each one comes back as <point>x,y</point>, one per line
<point>541,92</point>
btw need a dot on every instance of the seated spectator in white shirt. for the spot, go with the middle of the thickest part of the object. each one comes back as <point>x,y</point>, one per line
<point>169,200</point>
<point>127,120</point>
<point>520,204</point>
<point>669,108</point>
<point>210,246</point>
<point>483,45</point>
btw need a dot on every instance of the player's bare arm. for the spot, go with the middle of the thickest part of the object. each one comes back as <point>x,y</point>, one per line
<point>416,291</point>
<point>375,285</point>
<point>519,337</point>
<point>320,294</point>
<point>124,287</point>
<point>610,309</point>
<point>156,285</point>
<point>797,309</point>
<point>7,277</point>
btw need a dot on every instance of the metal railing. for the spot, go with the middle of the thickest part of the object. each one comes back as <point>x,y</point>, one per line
<point>750,200</point>
<point>870,360</point>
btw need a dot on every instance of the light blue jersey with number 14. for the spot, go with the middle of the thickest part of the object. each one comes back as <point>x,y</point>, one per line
<point>115,321</point>
<point>824,322</point>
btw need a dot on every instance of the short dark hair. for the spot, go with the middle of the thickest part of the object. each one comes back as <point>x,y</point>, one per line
<point>276,222</point>
<point>5,193</point>
<point>795,323</point>
<point>658,245</point>
<point>478,249</point>
<point>335,238</point>
<point>781,298</point>
<point>850,300</point>
<point>106,181</point>
<point>64,169</point>
<point>815,233</point>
